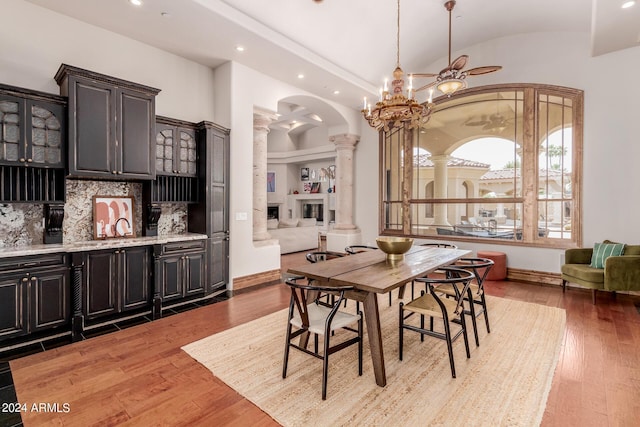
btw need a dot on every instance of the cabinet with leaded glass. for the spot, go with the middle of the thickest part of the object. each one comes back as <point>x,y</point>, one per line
<point>176,152</point>
<point>32,128</point>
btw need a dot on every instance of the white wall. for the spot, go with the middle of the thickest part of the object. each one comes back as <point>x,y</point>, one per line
<point>35,41</point>
<point>611,178</point>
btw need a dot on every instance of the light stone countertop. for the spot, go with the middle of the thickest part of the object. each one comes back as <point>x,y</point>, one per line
<point>93,245</point>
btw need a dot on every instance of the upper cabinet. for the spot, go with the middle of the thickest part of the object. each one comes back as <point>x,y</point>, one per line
<point>111,125</point>
<point>176,152</point>
<point>31,128</point>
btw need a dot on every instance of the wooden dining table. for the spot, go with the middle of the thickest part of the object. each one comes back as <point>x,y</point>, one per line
<point>370,273</point>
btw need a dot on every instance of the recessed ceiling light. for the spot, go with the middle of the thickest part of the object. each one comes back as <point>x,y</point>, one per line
<point>240,48</point>
<point>165,14</point>
<point>628,4</point>
<point>336,92</point>
<point>301,76</point>
<point>136,2</point>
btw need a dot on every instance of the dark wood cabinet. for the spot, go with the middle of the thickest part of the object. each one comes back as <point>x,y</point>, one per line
<point>111,125</point>
<point>32,128</point>
<point>180,269</point>
<point>115,281</point>
<point>211,215</point>
<point>34,294</point>
<point>176,152</point>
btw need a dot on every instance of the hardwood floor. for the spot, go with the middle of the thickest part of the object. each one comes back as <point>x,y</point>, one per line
<point>139,376</point>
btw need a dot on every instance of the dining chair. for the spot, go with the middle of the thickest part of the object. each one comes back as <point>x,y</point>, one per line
<point>317,256</point>
<point>433,245</point>
<point>475,296</point>
<point>307,314</point>
<point>354,249</point>
<point>450,311</point>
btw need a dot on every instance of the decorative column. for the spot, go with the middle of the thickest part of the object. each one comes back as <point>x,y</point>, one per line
<point>345,145</point>
<point>440,179</point>
<point>261,121</point>
<point>344,233</point>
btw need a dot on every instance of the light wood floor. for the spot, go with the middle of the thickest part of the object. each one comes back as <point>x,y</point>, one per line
<point>139,376</point>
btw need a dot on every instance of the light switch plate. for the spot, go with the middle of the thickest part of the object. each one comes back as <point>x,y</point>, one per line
<point>241,216</point>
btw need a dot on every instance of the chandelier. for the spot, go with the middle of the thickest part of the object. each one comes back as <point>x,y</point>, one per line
<point>393,108</point>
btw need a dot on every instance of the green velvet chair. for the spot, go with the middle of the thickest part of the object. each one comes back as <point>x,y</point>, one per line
<point>620,273</point>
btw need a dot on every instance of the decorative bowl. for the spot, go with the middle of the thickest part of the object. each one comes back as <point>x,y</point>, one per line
<point>394,247</point>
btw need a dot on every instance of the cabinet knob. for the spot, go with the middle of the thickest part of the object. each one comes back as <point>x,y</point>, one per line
<point>24,280</point>
<point>114,172</point>
<point>29,160</point>
<point>119,172</point>
<point>34,278</point>
<point>22,159</point>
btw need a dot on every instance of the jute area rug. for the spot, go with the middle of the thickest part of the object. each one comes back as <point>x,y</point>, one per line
<point>505,382</point>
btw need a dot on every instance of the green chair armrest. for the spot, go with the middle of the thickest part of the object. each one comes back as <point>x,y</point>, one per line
<point>578,256</point>
<point>622,273</point>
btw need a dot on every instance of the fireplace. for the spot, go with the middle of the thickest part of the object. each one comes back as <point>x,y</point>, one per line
<point>313,209</point>
<point>273,212</point>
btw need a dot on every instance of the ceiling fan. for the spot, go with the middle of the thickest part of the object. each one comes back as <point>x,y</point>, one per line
<point>493,122</point>
<point>452,77</point>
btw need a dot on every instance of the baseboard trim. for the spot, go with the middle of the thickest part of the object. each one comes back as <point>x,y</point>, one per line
<point>253,280</point>
<point>540,277</point>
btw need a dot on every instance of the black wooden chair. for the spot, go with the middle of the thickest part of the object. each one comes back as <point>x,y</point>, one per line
<point>354,249</point>
<point>451,311</point>
<point>480,268</point>
<point>433,245</point>
<point>318,256</point>
<point>309,315</point>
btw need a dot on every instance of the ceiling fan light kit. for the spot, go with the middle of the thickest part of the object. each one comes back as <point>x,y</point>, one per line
<point>452,78</point>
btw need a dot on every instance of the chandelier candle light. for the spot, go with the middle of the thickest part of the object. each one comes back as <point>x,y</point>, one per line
<point>393,109</point>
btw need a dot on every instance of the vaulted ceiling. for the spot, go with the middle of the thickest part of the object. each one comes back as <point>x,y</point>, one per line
<point>345,46</point>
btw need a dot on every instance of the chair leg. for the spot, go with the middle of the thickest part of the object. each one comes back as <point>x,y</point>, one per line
<point>360,344</point>
<point>472,310</point>
<point>422,327</point>
<point>286,352</point>
<point>389,299</point>
<point>325,366</point>
<point>447,333</point>
<point>564,285</point>
<point>401,331</point>
<point>463,323</point>
<point>483,301</point>
<point>593,296</point>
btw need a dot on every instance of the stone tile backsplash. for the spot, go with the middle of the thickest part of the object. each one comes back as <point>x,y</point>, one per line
<point>21,224</point>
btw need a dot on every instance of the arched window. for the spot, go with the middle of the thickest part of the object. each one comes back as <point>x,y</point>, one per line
<point>506,154</point>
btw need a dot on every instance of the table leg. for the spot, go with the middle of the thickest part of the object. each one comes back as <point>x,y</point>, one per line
<point>372,318</point>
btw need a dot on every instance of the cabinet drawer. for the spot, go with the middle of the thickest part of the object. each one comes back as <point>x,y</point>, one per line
<point>31,262</point>
<point>187,246</point>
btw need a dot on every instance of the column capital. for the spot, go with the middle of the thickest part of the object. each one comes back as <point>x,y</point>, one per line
<point>345,140</point>
<point>262,119</point>
<point>439,158</point>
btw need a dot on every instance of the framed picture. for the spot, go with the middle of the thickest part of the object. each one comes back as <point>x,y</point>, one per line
<point>315,187</point>
<point>113,216</point>
<point>271,182</point>
<point>304,174</point>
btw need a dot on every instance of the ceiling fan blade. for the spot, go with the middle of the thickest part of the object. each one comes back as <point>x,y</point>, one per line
<point>427,86</point>
<point>483,121</point>
<point>483,70</point>
<point>459,62</point>
<point>418,75</point>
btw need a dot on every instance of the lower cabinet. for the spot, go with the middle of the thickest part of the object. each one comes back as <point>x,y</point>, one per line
<point>180,269</point>
<point>115,281</point>
<point>34,294</point>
